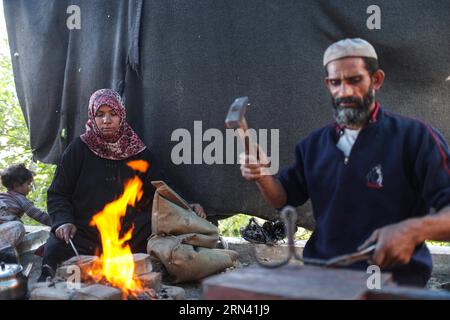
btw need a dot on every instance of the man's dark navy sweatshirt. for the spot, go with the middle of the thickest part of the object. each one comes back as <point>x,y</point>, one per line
<point>398,168</point>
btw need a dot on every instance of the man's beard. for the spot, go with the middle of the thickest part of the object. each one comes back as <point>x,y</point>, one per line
<point>358,115</point>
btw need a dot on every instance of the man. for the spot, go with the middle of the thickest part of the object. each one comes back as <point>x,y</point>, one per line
<point>372,176</point>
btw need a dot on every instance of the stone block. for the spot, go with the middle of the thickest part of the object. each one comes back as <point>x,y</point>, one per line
<point>50,293</point>
<point>98,292</point>
<point>85,263</point>
<point>142,263</point>
<point>151,280</point>
<point>171,293</point>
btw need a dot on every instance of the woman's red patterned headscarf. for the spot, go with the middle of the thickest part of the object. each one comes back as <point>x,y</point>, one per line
<point>124,144</point>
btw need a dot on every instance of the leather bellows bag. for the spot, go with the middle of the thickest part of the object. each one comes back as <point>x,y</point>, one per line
<point>183,242</point>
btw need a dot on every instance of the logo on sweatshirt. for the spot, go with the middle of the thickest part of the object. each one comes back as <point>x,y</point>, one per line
<point>375,177</point>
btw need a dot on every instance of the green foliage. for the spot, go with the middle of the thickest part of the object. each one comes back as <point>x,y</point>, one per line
<point>438,243</point>
<point>302,234</point>
<point>230,227</point>
<point>14,139</point>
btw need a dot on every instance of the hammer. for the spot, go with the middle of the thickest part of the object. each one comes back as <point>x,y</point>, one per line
<point>236,120</point>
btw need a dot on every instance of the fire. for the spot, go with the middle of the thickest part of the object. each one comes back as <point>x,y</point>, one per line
<point>138,165</point>
<point>116,264</point>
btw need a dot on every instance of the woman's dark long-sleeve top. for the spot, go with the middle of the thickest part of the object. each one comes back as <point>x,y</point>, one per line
<point>84,183</point>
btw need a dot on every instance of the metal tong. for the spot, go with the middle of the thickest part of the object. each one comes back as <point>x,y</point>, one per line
<point>74,249</point>
<point>348,259</point>
<point>289,217</point>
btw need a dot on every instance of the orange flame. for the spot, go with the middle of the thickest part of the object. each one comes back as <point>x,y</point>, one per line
<point>138,165</point>
<point>116,264</point>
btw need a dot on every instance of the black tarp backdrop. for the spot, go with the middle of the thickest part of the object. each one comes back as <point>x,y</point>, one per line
<point>192,58</point>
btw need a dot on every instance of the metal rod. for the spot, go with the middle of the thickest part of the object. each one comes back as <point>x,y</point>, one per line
<point>73,247</point>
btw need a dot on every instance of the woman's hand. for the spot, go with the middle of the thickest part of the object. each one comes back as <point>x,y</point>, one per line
<point>66,231</point>
<point>198,209</point>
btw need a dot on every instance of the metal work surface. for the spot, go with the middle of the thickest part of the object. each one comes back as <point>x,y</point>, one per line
<point>305,283</point>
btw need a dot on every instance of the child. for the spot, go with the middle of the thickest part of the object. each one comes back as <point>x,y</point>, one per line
<point>13,204</point>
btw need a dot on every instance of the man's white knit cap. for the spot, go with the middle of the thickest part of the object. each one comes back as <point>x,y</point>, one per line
<point>349,48</point>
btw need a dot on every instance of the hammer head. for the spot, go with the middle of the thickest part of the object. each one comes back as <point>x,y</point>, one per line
<point>236,115</point>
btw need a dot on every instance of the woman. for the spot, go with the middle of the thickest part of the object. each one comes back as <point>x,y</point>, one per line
<point>92,173</point>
